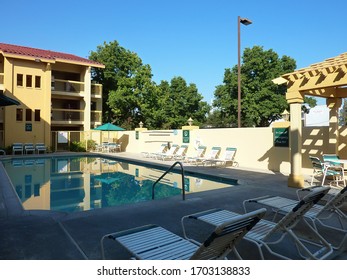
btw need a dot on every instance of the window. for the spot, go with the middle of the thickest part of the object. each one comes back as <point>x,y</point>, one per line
<point>37,115</point>
<point>29,81</point>
<point>37,81</point>
<point>28,115</point>
<point>20,80</point>
<point>19,115</point>
<point>37,190</point>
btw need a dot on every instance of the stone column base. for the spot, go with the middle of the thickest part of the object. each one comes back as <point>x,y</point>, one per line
<point>296,181</point>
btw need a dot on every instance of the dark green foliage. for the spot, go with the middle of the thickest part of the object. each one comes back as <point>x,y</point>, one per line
<point>130,95</point>
<point>77,147</point>
<point>262,100</point>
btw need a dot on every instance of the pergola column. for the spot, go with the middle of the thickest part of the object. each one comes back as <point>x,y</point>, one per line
<point>296,178</point>
<point>333,104</point>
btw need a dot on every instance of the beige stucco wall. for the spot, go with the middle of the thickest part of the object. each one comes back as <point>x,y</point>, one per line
<point>255,149</point>
<point>254,145</point>
<point>30,97</point>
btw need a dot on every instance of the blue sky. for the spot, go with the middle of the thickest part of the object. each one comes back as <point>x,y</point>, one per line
<point>195,39</point>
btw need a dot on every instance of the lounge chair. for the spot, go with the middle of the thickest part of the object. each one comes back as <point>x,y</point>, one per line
<point>229,158</point>
<point>17,148</point>
<point>199,154</point>
<point>322,170</point>
<point>331,158</point>
<point>153,242</point>
<point>162,149</point>
<point>40,147</point>
<point>213,155</point>
<point>29,148</point>
<point>267,234</point>
<point>169,154</point>
<point>327,216</point>
<point>181,153</point>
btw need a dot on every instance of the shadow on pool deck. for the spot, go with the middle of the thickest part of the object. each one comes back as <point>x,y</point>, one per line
<point>46,235</point>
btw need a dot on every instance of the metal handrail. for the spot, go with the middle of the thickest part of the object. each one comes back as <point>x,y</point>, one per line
<point>167,171</point>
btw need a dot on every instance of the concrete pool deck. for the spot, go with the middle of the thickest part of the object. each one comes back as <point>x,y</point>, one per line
<point>47,235</point>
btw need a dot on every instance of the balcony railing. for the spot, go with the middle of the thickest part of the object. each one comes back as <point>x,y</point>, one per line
<point>74,115</point>
<point>67,87</point>
<point>96,116</point>
<point>67,115</point>
<point>96,89</point>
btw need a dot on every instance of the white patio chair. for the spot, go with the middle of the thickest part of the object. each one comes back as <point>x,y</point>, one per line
<point>267,235</point>
<point>152,242</point>
<point>17,148</point>
<point>322,217</point>
<point>228,158</point>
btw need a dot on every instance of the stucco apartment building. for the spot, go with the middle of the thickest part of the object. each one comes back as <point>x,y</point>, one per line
<point>55,94</point>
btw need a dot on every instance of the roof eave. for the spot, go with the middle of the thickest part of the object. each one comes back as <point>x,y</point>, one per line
<point>26,57</point>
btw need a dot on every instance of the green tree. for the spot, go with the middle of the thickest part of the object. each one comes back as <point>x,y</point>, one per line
<point>182,101</point>
<point>125,81</point>
<point>130,95</point>
<point>262,100</point>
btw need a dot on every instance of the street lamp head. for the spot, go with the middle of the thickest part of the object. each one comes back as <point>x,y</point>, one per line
<point>190,121</point>
<point>245,21</point>
<point>285,115</point>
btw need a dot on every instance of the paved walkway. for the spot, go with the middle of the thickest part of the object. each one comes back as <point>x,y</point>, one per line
<point>52,235</point>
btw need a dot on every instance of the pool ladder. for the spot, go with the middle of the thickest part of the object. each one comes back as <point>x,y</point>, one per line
<point>166,172</point>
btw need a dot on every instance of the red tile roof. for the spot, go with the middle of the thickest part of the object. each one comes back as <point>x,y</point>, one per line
<point>45,54</point>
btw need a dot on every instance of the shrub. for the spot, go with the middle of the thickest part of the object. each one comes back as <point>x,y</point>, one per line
<point>77,147</point>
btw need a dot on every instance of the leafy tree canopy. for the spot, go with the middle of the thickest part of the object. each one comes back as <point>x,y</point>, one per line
<point>262,100</point>
<point>130,95</point>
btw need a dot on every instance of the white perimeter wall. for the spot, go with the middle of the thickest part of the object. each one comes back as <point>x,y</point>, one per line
<point>255,147</point>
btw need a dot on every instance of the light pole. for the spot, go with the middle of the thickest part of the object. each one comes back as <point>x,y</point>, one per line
<point>244,21</point>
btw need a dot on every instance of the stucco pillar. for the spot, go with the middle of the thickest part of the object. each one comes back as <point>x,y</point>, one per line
<point>140,143</point>
<point>333,104</point>
<point>191,137</point>
<point>87,100</point>
<point>296,179</point>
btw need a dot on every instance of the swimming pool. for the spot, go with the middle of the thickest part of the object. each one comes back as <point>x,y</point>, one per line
<point>71,183</point>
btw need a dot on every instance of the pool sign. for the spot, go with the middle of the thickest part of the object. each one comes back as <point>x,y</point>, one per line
<point>281,137</point>
<point>28,127</point>
<point>186,135</point>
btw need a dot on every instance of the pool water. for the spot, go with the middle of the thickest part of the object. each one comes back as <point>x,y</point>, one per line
<point>73,184</point>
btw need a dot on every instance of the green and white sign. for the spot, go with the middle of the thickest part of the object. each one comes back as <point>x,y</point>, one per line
<point>281,137</point>
<point>186,136</point>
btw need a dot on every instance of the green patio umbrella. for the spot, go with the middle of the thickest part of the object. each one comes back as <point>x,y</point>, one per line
<point>109,127</point>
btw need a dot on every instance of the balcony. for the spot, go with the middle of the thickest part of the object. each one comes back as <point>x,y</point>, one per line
<point>67,88</point>
<point>95,117</point>
<point>96,90</point>
<point>74,88</point>
<point>67,116</point>
<point>73,116</point>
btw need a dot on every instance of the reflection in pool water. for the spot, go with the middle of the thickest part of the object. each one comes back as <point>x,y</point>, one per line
<point>83,183</point>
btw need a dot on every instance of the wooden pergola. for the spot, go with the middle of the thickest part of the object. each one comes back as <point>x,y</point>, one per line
<point>327,79</point>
